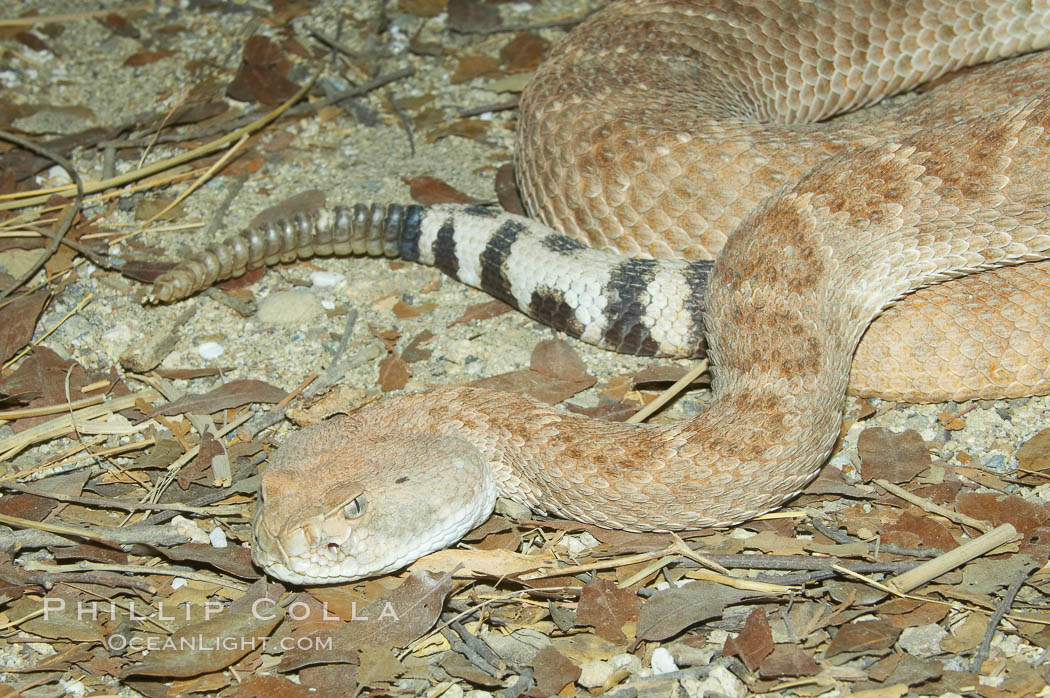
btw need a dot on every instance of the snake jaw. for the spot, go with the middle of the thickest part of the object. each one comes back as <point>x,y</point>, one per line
<point>423,493</point>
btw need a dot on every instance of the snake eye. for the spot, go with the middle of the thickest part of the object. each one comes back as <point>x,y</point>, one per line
<point>355,507</point>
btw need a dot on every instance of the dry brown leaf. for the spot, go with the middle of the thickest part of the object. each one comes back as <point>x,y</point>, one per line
<point>533,384</point>
<point>912,670</point>
<point>482,311</point>
<point>552,671</point>
<point>997,509</point>
<point>400,616</point>
<point>18,320</point>
<point>669,612</point>
<point>897,457</point>
<point>329,681</point>
<point>30,40</point>
<point>863,636</point>
<point>416,351</point>
<point>506,540</point>
<point>377,665</point>
<point>925,614</point>
<point>829,481</point>
<point>918,530</point>
<point>507,190</point>
<point>556,358</point>
<point>43,374</point>
<point>607,608</point>
<point>256,685</point>
<point>472,16</point>
<point>471,129</point>
<point>471,67</point>
<point>770,542</point>
<point>404,311</point>
<point>216,642</point>
<point>340,600</point>
<point>883,668</point>
<point>522,54</point>
<point>227,396</point>
<point>65,617</point>
<point>153,206</point>
<point>966,635</point>
<point>430,191</point>
<point>788,661</point>
<point>755,641</point>
<point>261,76</point>
<point>233,560</point>
<point>119,24</point>
<point>141,58</point>
<point>387,337</point>
<point>557,373</point>
<point>393,373</point>
<point>1033,456</point>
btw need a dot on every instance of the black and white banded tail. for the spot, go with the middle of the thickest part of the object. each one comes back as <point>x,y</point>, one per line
<point>632,306</point>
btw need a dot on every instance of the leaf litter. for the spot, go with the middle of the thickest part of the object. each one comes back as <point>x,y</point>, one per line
<point>805,601</point>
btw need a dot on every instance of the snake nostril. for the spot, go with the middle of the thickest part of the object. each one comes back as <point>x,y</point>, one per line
<point>334,550</point>
<point>311,534</point>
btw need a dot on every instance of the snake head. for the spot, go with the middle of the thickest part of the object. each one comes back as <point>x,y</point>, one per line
<point>338,504</point>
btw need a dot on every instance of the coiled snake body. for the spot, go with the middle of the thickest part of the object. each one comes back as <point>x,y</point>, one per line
<point>654,130</point>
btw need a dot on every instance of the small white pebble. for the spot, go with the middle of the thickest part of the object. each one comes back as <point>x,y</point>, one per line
<point>326,279</point>
<point>74,687</point>
<point>594,674</point>
<point>217,538</point>
<point>664,586</point>
<point>58,175</point>
<point>327,304</point>
<point>178,583</point>
<point>210,350</point>
<point>663,662</point>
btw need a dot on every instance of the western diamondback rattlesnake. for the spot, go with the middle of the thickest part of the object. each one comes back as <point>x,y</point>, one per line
<point>653,129</point>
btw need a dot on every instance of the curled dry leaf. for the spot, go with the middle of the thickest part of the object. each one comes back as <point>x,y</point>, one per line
<point>755,641</point>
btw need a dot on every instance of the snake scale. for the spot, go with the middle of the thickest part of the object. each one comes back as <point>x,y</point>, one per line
<point>654,130</point>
